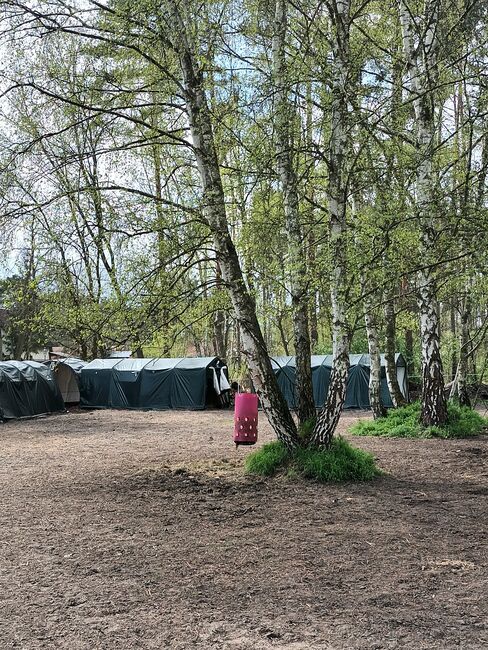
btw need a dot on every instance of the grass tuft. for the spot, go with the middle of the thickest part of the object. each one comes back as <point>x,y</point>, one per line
<point>342,462</point>
<point>267,460</point>
<point>305,430</point>
<point>404,422</point>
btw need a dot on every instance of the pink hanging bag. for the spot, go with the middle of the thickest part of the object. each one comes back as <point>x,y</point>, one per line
<point>245,419</point>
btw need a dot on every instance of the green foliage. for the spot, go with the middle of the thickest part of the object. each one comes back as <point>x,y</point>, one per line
<point>405,423</point>
<point>25,329</point>
<point>127,267</point>
<point>341,462</point>
<point>305,430</point>
<point>267,460</point>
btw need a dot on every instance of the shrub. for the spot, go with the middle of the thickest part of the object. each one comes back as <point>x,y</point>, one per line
<point>405,423</point>
<point>342,462</point>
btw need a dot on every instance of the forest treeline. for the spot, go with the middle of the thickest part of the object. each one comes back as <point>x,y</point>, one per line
<point>251,177</point>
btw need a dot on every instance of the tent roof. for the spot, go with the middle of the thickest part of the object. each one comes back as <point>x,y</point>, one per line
<point>327,360</point>
<point>102,364</point>
<point>136,364</point>
<point>196,362</point>
<point>27,369</point>
<point>131,365</point>
<point>322,360</point>
<point>281,362</point>
<point>162,364</point>
<point>73,362</point>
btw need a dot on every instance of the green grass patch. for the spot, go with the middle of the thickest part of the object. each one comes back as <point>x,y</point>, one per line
<point>267,460</point>
<point>305,430</point>
<point>404,422</point>
<point>342,462</point>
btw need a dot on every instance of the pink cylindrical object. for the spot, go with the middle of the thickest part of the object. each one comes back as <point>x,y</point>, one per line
<point>246,419</point>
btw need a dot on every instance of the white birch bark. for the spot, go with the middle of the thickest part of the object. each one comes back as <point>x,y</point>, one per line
<point>284,119</point>
<point>252,341</point>
<point>396,394</point>
<point>421,59</point>
<point>374,388</point>
<point>375,401</point>
<point>462,369</point>
<point>338,146</point>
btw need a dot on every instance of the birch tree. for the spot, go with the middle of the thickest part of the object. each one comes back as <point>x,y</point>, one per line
<point>339,12</point>
<point>367,287</point>
<point>200,121</point>
<point>421,50</point>
<point>285,119</point>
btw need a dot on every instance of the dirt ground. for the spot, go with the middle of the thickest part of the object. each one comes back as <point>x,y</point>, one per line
<point>124,530</point>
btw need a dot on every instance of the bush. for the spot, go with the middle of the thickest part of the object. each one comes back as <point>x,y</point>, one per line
<point>405,423</point>
<point>341,462</point>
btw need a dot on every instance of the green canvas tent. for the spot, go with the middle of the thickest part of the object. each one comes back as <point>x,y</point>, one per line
<point>27,389</point>
<point>357,395</point>
<point>192,383</point>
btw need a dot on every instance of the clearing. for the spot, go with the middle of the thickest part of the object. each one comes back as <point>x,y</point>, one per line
<point>125,530</point>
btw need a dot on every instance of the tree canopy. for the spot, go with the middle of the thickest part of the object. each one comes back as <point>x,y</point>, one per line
<point>247,178</point>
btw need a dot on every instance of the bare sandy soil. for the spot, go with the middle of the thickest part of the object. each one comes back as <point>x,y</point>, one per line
<point>125,530</point>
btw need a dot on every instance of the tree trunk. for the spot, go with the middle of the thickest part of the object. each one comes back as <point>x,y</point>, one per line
<point>337,191</point>
<point>434,406</point>
<point>462,371</point>
<point>158,193</point>
<point>219,321</point>
<point>284,121</point>
<point>257,357</point>
<point>281,330</point>
<point>219,334</point>
<point>314,323</point>
<point>95,347</point>
<point>18,346</point>
<point>422,65</point>
<point>312,244</point>
<point>409,352</point>
<point>396,394</point>
<point>375,400</point>
<point>452,319</point>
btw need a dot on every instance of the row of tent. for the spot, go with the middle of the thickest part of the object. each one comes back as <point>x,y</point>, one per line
<point>357,395</point>
<point>29,388</point>
<point>159,384</point>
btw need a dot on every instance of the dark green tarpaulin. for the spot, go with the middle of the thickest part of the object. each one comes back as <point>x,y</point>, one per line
<point>357,395</point>
<point>157,383</point>
<point>27,388</point>
<point>150,383</point>
<point>95,381</point>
